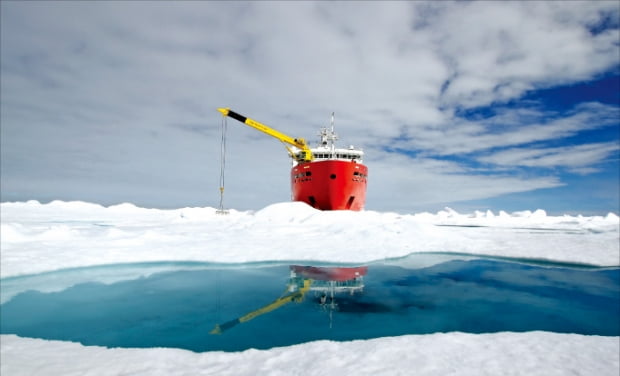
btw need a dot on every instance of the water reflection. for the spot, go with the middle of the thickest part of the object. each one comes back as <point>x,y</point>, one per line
<point>325,282</point>
<point>283,304</point>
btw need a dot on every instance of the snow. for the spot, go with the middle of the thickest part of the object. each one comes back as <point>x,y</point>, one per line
<point>38,238</point>
<point>59,235</point>
<point>534,353</point>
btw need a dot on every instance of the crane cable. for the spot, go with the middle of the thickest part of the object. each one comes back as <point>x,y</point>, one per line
<point>222,165</point>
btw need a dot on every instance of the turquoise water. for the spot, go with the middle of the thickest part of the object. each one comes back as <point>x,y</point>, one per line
<point>182,306</point>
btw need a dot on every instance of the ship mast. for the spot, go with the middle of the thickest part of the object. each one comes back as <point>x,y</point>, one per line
<point>333,135</point>
<point>328,136</point>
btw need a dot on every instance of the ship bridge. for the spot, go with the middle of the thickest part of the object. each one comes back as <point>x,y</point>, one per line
<point>349,155</point>
<point>344,154</point>
<point>326,149</point>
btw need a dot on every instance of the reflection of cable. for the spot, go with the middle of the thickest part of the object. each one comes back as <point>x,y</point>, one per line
<point>333,304</point>
<point>217,295</point>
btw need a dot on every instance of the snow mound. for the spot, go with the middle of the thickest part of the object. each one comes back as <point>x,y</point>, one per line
<point>286,212</point>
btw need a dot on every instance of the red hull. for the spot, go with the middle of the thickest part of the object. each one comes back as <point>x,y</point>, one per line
<point>330,184</point>
<point>339,274</point>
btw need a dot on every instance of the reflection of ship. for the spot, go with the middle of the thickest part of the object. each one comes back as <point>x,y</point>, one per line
<point>324,281</point>
<point>332,274</point>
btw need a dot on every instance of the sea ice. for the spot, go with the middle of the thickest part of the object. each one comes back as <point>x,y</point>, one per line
<point>39,237</point>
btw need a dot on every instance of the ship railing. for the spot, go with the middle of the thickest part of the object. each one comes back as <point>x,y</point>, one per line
<point>351,286</point>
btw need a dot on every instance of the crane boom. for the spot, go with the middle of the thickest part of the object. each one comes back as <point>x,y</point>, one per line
<point>300,143</point>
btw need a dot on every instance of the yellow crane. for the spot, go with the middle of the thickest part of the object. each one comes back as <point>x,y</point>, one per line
<point>305,154</point>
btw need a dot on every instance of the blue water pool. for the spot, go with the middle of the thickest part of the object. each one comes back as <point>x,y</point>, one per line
<point>203,307</point>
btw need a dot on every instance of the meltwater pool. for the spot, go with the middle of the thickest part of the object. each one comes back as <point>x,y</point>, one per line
<point>206,307</point>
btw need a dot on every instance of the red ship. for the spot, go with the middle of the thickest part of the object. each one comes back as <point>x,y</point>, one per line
<point>325,177</point>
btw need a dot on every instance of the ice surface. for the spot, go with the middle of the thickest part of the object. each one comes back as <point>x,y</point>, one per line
<point>38,237</point>
<point>44,237</point>
<point>442,354</point>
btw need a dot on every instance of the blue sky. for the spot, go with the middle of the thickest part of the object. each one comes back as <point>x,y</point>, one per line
<point>471,105</point>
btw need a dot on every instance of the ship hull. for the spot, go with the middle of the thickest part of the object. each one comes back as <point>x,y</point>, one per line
<point>339,274</point>
<point>330,184</point>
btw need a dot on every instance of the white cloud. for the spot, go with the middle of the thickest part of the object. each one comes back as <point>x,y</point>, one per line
<point>498,50</point>
<point>397,182</point>
<point>508,127</point>
<point>576,158</point>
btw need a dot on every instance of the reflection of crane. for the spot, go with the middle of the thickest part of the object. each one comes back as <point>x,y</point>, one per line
<point>304,156</point>
<point>296,297</point>
<point>302,280</point>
